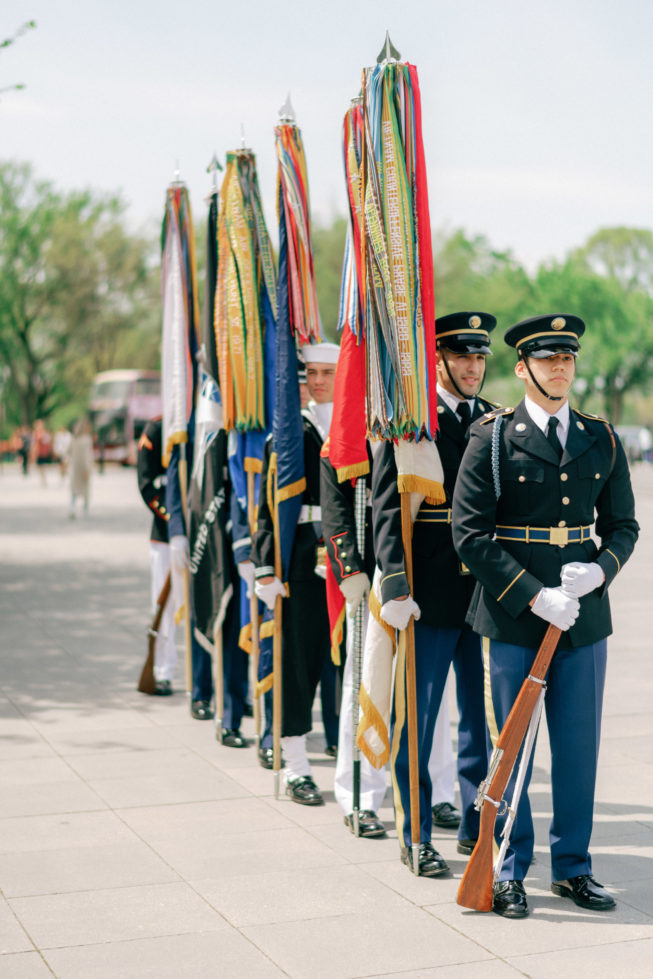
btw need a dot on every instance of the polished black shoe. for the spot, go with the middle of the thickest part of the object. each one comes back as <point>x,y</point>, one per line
<point>162,688</point>
<point>233,739</point>
<point>446,816</point>
<point>201,710</point>
<point>431,864</point>
<point>331,750</point>
<point>305,791</point>
<point>466,847</point>
<point>585,892</point>
<point>510,899</point>
<point>369,823</point>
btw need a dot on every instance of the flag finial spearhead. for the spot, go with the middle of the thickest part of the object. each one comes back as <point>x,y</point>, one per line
<point>286,112</point>
<point>388,52</point>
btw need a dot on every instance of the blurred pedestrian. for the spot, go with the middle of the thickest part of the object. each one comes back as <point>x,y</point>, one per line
<point>62,441</point>
<point>24,446</point>
<point>41,448</point>
<point>81,465</point>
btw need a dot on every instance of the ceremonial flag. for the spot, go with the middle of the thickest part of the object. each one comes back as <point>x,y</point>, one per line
<point>180,318</point>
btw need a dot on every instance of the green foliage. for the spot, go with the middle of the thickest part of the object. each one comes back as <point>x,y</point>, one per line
<point>77,294</point>
<point>328,252</point>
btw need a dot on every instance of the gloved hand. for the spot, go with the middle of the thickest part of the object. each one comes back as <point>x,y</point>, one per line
<point>397,612</point>
<point>580,579</point>
<point>355,589</point>
<point>268,593</point>
<point>179,552</point>
<point>320,571</point>
<point>246,571</point>
<point>554,606</point>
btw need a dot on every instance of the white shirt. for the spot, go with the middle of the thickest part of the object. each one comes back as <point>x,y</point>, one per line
<point>452,401</point>
<point>320,415</point>
<point>540,417</point>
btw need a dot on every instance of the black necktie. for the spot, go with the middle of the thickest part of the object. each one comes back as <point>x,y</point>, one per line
<point>464,412</point>
<point>552,437</point>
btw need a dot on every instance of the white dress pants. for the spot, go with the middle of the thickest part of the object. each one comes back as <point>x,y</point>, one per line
<point>165,653</point>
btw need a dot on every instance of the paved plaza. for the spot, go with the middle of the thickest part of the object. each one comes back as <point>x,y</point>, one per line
<point>133,845</point>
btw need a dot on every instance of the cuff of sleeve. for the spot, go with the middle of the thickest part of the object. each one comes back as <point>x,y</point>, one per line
<point>264,572</point>
<point>394,585</point>
<point>519,592</point>
<point>609,564</point>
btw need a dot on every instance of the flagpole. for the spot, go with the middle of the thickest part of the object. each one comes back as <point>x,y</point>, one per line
<point>183,490</point>
<point>253,608</point>
<point>277,651</point>
<point>360,501</point>
<point>411,690</point>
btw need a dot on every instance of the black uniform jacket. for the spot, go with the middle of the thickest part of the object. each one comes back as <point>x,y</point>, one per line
<point>339,523</point>
<point>152,478</point>
<point>307,535</point>
<point>538,490</point>
<point>440,587</point>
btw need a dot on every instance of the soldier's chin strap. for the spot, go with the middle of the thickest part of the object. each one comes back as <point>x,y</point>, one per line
<point>465,397</point>
<point>551,397</point>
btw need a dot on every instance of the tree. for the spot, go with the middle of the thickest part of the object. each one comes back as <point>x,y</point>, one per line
<point>27,26</point>
<point>328,253</point>
<point>75,289</point>
<point>617,349</point>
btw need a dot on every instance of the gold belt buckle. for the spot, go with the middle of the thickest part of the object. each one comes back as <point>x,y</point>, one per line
<point>559,536</point>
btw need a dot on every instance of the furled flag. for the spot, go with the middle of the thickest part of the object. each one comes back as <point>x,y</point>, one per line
<point>179,341</point>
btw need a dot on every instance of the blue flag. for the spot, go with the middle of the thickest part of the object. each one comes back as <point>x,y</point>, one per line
<point>287,428</point>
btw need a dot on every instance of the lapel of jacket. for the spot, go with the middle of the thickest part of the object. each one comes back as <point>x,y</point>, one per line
<point>579,438</point>
<point>526,436</point>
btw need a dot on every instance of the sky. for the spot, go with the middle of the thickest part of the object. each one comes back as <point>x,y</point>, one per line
<point>537,117</point>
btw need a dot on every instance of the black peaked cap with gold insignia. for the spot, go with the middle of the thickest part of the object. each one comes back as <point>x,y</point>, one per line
<point>544,336</point>
<point>465,333</point>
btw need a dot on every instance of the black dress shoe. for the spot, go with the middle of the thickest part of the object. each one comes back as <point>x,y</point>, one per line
<point>201,710</point>
<point>233,739</point>
<point>510,899</point>
<point>305,791</point>
<point>431,864</point>
<point>466,847</point>
<point>331,750</point>
<point>446,816</point>
<point>585,892</point>
<point>162,688</point>
<point>369,823</point>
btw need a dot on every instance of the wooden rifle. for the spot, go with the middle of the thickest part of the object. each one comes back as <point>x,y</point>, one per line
<point>146,683</point>
<point>475,889</point>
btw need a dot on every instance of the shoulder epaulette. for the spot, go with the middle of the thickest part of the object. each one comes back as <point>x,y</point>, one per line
<point>489,416</point>
<point>587,414</point>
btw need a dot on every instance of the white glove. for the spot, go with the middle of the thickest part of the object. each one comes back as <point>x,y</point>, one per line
<point>580,579</point>
<point>268,593</point>
<point>246,571</point>
<point>179,553</point>
<point>554,606</point>
<point>320,571</point>
<point>397,612</point>
<point>355,589</point>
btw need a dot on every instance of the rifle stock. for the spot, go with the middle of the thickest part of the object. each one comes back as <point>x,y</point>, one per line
<point>475,889</point>
<point>146,683</point>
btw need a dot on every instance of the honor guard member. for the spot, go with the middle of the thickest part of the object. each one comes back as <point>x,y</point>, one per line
<point>353,574</point>
<point>536,486</point>
<point>151,484</point>
<point>442,592</point>
<point>306,641</point>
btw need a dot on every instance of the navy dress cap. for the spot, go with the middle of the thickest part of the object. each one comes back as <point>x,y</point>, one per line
<point>465,333</point>
<point>545,336</point>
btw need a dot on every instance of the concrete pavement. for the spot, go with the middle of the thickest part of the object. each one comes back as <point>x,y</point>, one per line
<point>133,845</point>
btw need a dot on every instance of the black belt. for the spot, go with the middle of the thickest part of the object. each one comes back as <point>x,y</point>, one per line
<point>434,516</point>
<point>558,536</point>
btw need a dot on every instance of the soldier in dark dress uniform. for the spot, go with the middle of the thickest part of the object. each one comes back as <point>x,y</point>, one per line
<point>442,591</point>
<point>151,484</point>
<point>536,483</point>
<point>306,641</point>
